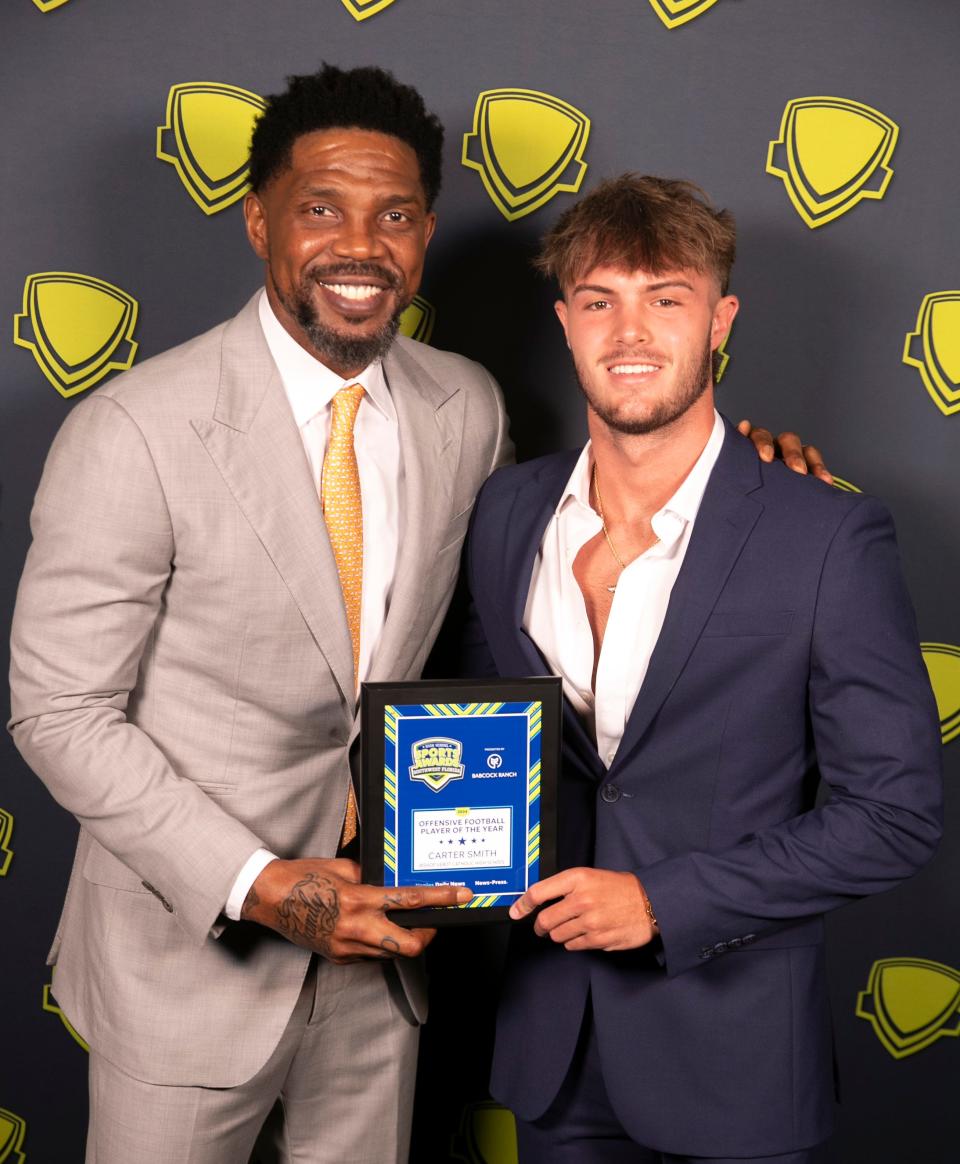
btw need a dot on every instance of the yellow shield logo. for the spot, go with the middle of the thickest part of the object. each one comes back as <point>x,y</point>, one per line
<point>206,138</point>
<point>47,6</point>
<point>910,1003</point>
<point>418,319</point>
<point>12,1131</point>
<point>50,1006</point>
<point>831,154</point>
<point>721,357</point>
<point>526,147</point>
<point>943,663</point>
<point>487,1135</point>
<point>6,832</point>
<point>934,349</point>
<point>361,9</point>
<point>845,485</point>
<point>673,13</point>
<point>79,328</point>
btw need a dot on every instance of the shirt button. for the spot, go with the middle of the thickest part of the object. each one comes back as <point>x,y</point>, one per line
<point>609,794</point>
<point>610,756</point>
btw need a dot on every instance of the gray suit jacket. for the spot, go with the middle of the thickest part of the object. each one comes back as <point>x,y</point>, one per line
<point>182,675</point>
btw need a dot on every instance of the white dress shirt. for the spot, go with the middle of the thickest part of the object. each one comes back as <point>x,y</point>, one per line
<point>555,616</point>
<point>310,387</point>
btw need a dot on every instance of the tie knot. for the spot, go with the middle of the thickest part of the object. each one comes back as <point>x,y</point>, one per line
<point>345,405</point>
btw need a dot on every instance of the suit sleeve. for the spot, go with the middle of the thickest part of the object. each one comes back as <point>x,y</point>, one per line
<point>875,730</point>
<point>91,593</point>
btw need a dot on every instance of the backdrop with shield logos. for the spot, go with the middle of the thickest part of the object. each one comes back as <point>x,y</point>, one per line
<point>829,129</point>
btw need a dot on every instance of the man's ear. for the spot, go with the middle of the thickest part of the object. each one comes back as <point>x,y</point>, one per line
<point>255,221</point>
<point>723,316</point>
<point>560,307</point>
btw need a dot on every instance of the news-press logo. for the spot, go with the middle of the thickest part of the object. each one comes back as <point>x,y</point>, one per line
<point>436,761</point>
<point>78,327</point>
<point>933,348</point>
<point>417,320</point>
<point>527,147</point>
<point>12,1131</point>
<point>943,664</point>
<point>206,138</point>
<point>361,9</point>
<point>6,835</point>
<point>51,1007</point>
<point>832,154</point>
<point>673,13</point>
<point>487,1135</point>
<point>911,1003</point>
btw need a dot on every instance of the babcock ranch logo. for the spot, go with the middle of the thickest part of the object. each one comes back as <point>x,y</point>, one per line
<point>78,327</point>
<point>911,1003</point>
<point>831,154</point>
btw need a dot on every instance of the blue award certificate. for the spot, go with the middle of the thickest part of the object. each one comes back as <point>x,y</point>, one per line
<point>459,783</point>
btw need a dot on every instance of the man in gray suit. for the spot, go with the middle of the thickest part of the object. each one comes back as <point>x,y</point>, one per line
<point>207,586</point>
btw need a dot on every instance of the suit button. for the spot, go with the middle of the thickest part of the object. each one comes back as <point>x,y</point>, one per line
<point>748,938</point>
<point>720,948</point>
<point>609,793</point>
<point>705,952</point>
<point>735,943</point>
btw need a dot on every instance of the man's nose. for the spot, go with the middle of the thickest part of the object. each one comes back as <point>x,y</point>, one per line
<point>633,326</point>
<point>358,238</point>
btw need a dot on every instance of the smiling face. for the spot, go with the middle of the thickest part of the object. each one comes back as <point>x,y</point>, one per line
<point>343,231</point>
<point>642,342</point>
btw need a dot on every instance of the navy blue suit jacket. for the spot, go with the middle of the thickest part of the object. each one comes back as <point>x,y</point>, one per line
<point>789,655</point>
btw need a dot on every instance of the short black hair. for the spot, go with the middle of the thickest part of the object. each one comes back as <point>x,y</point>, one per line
<point>332,98</point>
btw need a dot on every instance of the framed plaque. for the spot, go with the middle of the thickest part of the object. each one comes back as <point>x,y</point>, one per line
<point>459,787</point>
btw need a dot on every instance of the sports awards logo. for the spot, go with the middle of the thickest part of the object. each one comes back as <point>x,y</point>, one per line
<point>487,1134</point>
<point>910,1003</point>
<point>831,154</point>
<point>50,1006</point>
<point>12,1131</point>
<point>418,319</point>
<point>846,486</point>
<point>436,761</point>
<point>361,9</point>
<point>6,833</point>
<point>47,6</point>
<point>206,138</point>
<point>933,348</point>
<point>673,13</point>
<point>78,327</point>
<point>943,664</point>
<point>526,146</point>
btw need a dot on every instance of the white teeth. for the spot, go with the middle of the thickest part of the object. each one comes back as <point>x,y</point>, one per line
<point>353,290</point>
<point>633,369</point>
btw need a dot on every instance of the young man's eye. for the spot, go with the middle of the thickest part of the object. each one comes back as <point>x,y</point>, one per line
<point>598,304</point>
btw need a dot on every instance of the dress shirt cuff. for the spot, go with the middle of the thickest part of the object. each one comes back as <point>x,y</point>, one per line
<point>254,866</point>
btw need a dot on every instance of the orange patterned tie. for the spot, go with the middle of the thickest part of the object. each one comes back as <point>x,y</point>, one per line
<point>343,513</point>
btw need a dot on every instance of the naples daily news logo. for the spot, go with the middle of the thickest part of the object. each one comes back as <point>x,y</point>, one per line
<point>436,761</point>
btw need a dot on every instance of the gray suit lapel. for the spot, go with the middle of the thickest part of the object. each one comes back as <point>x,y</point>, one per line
<point>254,442</point>
<point>430,417</point>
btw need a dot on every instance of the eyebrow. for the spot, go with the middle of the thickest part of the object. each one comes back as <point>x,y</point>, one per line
<point>333,193</point>
<point>662,286</point>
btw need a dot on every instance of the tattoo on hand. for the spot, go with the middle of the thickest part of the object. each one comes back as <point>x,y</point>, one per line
<point>390,945</point>
<point>250,904</point>
<point>310,911</point>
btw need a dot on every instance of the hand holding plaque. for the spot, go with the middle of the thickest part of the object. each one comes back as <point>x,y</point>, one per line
<point>459,788</point>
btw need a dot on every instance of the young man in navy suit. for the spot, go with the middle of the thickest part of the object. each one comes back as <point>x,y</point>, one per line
<point>667,1000</point>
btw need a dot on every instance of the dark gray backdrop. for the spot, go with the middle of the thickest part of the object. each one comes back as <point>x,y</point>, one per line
<point>817,347</point>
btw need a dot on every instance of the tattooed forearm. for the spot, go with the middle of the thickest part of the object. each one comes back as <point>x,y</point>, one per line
<point>310,911</point>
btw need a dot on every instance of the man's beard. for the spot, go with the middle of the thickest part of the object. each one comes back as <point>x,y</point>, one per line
<point>339,349</point>
<point>693,379</point>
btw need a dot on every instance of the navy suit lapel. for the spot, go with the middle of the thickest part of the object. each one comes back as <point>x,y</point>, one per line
<point>727,515</point>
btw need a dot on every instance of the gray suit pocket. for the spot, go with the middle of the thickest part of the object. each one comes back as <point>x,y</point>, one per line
<point>102,868</point>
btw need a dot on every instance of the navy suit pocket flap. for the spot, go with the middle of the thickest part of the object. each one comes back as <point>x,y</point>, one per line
<point>749,622</point>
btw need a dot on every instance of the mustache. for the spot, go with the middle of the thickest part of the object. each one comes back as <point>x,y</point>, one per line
<point>640,356</point>
<point>357,270</point>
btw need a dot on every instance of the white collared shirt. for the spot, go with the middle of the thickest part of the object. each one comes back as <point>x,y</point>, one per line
<point>310,387</point>
<point>555,616</point>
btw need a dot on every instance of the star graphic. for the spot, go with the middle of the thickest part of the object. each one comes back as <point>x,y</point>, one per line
<point>463,840</point>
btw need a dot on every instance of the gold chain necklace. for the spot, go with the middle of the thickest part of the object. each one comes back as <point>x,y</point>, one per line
<point>606,533</point>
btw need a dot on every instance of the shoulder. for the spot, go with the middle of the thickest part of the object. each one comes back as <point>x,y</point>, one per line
<point>545,475</point>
